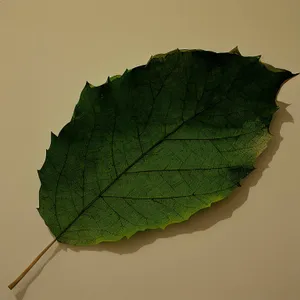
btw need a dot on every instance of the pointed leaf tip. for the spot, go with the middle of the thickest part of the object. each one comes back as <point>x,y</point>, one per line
<point>53,137</point>
<point>88,85</point>
<point>236,51</point>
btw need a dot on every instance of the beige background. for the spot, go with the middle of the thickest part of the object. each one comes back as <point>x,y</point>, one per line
<point>244,248</point>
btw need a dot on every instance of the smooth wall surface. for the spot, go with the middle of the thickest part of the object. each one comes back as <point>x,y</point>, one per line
<point>244,248</point>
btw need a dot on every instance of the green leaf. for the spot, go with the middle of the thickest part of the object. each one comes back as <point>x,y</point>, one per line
<point>157,144</point>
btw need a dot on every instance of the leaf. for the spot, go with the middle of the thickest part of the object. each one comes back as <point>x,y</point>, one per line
<point>157,144</point>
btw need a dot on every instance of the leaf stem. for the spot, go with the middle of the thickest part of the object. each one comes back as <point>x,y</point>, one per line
<point>19,278</point>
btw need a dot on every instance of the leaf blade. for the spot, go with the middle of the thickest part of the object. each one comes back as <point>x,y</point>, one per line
<point>156,126</point>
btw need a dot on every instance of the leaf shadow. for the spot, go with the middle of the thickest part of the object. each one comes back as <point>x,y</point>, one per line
<point>206,218</point>
<point>23,286</point>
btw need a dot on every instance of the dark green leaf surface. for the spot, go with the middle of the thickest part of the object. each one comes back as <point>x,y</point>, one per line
<point>157,144</point>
